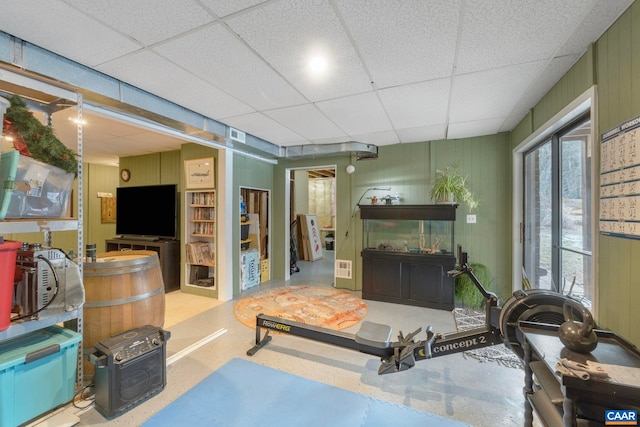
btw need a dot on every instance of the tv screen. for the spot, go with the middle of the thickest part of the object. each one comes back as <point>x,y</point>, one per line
<point>148,211</point>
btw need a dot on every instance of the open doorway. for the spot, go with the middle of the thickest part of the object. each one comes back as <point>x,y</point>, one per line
<point>312,218</point>
<point>254,237</point>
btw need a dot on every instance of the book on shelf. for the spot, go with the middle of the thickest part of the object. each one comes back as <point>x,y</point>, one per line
<point>199,253</point>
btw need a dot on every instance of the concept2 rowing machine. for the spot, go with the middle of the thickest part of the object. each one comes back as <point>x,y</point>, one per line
<point>375,339</point>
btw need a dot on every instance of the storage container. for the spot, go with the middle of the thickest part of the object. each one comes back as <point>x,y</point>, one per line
<point>250,269</point>
<point>37,373</point>
<point>31,188</point>
<point>8,252</point>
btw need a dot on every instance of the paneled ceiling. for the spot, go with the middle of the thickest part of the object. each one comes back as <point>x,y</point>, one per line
<point>396,71</point>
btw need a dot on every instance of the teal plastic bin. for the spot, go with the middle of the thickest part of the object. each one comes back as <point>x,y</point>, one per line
<point>37,373</point>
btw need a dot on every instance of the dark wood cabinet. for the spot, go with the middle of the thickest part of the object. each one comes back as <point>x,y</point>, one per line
<point>398,263</point>
<point>168,255</point>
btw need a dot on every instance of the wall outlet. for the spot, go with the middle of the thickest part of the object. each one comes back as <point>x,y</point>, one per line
<point>471,219</point>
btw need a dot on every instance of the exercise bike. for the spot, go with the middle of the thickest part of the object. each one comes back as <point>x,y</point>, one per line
<point>501,326</point>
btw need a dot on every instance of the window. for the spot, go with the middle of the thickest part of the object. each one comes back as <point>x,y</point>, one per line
<point>557,212</point>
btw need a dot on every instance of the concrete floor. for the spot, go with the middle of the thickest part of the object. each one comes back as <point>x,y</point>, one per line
<point>464,389</point>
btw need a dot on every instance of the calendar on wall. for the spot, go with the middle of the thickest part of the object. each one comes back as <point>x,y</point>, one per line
<point>620,180</point>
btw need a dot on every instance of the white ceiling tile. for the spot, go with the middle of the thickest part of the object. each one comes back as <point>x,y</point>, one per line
<point>473,128</point>
<point>509,33</point>
<point>243,62</point>
<point>65,31</point>
<point>147,21</point>
<point>404,42</point>
<point>356,114</point>
<point>175,84</point>
<point>490,94</point>
<point>307,121</point>
<point>422,133</point>
<point>545,81</point>
<point>287,34</point>
<point>218,57</point>
<point>264,127</point>
<point>593,25</point>
<point>377,138</point>
<point>223,8</point>
<point>417,104</point>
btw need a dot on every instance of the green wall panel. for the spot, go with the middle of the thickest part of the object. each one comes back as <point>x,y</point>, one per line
<point>618,70</point>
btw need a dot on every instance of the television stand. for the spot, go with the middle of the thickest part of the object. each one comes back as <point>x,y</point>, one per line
<point>168,254</point>
<point>145,238</point>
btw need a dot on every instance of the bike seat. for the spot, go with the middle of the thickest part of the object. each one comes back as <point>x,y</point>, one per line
<point>374,335</point>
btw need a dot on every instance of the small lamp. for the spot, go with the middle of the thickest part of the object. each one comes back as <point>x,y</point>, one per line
<point>350,169</point>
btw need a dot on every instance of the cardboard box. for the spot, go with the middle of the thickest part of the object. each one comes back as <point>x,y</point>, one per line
<point>264,270</point>
<point>37,373</point>
<point>31,188</point>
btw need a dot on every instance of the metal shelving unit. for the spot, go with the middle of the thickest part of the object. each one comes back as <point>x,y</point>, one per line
<point>47,98</point>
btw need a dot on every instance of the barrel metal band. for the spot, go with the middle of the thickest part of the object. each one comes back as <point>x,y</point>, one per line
<point>121,301</point>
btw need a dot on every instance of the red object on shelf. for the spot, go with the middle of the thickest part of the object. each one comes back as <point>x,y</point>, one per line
<point>8,252</point>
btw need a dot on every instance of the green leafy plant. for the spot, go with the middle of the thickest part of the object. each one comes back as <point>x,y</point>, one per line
<point>450,186</point>
<point>467,295</point>
<point>41,143</point>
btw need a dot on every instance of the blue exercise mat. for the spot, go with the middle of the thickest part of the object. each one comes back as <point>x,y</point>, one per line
<point>243,393</point>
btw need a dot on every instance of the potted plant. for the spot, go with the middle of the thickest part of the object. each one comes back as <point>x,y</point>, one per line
<point>449,186</point>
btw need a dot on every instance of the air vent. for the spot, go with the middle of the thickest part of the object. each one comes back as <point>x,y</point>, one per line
<point>343,269</point>
<point>237,135</point>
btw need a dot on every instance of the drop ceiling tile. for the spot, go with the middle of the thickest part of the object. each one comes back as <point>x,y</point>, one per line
<point>490,94</point>
<point>418,104</point>
<point>287,34</point>
<point>593,25</point>
<point>220,58</point>
<point>422,133</point>
<point>403,42</point>
<point>307,121</point>
<point>65,31</point>
<point>146,21</point>
<point>503,32</point>
<point>377,138</point>
<point>474,128</point>
<point>223,8</point>
<point>264,127</point>
<point>175,84</point>
<point>553,71</point>
<point>356,114</point>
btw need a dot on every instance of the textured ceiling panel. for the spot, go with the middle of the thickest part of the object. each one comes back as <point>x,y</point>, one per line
<point>218,57</point>
<point>489,94</point>
<point>357,114</point>
<point>63,30</point>
<point>432,68</point>
<point>288,34</point>
<point>146,21</point>
<point>174,83</point>
<point>418,104</point>
<point>307,121</point>
<point>260,124</point>
<point>403,42</point>
<point>223,8</point>
<point>422,133</point>
<point>514,32</point>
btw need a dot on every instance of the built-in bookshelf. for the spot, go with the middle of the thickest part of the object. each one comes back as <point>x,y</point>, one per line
<point>200,231</point>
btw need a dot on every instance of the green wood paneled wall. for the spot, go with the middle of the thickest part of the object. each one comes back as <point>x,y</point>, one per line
<point>618,71</point>
<point>613,63</point>
<point>486,160</point>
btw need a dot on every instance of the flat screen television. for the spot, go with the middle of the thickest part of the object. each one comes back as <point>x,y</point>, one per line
<point>147,212</point>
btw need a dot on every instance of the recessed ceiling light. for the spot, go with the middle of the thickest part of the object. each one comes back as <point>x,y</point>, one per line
<point>318,64</point>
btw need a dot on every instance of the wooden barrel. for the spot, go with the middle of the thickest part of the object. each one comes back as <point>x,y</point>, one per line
<point>123,290</point>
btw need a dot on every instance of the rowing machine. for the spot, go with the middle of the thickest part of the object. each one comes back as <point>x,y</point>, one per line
<point>375,339</point>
